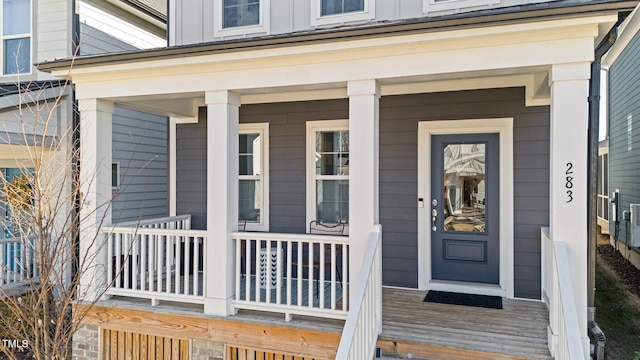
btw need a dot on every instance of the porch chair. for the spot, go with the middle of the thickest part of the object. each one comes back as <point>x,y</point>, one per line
<point>318,228</point>
<point>242,226</point>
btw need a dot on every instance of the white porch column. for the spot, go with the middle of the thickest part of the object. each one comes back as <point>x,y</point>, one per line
<point>364,97</point>
<point>222,199</point>
<point>172,166</point>
<point>568,175</point>
<point>95,185</point>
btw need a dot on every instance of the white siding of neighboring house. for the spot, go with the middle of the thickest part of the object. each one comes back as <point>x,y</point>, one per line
<point>52,31</point>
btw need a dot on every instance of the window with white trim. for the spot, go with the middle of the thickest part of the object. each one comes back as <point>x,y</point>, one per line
<point>328,171</point>
<point>241,17</point>
<point>16,36</point>
<point>253,177</point>
<point>326,12</point>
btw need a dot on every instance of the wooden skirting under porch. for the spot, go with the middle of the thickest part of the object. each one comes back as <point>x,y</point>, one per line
<point>410,326</point>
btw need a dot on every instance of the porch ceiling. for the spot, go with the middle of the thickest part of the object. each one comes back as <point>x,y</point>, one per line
<point>185,106</point>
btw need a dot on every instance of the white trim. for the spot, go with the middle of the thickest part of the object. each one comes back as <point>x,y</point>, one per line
<point>261,28</point>
<point>368,13</point>
<point>504,127</point>
<point>312,128</point>
<point>431,6</point>
<point>172,166</point>
<point>263,130</point>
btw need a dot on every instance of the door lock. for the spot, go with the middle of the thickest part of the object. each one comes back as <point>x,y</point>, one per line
<point>434,214</point>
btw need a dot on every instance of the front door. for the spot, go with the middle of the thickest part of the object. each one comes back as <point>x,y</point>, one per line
<point>464,218</point>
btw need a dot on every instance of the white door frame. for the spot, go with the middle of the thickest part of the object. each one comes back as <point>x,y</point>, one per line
<point>504,127</point>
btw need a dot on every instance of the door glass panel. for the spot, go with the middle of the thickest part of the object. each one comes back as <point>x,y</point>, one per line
<point>464,187</point>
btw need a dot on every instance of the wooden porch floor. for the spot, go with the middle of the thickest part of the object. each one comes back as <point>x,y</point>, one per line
<point>439,331</point>
<point>410,326</point>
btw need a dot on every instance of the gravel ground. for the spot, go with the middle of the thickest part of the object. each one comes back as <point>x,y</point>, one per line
<point>628,274</point>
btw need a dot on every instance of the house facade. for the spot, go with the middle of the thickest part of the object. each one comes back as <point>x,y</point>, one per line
<point>623,105</point>
<point>448,138</point>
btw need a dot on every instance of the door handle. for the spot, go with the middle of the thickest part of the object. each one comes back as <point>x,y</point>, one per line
<point>434,214</point>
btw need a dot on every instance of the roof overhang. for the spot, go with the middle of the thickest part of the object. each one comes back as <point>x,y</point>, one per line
<point>500,16</point>
<point>503,48</point>
<point>29,93</point>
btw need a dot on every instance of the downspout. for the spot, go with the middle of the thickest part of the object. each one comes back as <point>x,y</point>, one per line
<point>592,159</point>
<point>75,147</point>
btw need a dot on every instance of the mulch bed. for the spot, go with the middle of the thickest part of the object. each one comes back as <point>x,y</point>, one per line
<point>629,274</point>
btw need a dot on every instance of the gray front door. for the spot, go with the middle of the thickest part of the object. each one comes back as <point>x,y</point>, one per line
<point>464,218</point>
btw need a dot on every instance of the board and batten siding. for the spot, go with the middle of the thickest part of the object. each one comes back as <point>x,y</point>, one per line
<point>140,146</point>
<point>399,117</point>
<point>192,20</point>
<point>624,131</point>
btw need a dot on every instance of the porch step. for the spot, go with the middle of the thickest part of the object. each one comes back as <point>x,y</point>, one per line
<point>442,332</point>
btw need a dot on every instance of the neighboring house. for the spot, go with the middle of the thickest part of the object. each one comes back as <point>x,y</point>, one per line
<point>622,63</point>
<point>35,111</point>
<point>603,187</point>
<point>37,108</point>
<point>456,131</point>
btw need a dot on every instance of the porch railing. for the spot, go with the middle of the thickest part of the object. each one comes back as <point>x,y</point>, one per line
<point>156,261</point>
<point>182,222</point>
<point>18,264</point>
<point>565,340</point>
<point>292,273</point>
<point>364,322</point>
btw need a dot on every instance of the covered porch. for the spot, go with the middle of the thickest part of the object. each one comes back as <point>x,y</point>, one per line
<point>390,95</point>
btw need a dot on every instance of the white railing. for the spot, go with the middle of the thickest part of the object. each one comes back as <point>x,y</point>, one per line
<point>565,340</point>
<point>292,273</point>
<point>17,262</point>
<point>364,322</point>
<point>182,222</point>
<point>156,263</point>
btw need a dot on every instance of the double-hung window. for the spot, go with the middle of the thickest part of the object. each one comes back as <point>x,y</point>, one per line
<point>16,36</point>
<point>328,171</point>
<point>241,17</point>
<point>253,179</point>
<point>325,12</point>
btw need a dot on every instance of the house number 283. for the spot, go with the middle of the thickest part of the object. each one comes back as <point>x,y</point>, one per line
<point>569,182</point>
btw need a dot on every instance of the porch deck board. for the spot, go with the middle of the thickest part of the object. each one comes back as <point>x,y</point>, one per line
<point>427,330</point>
<point>517,331</point>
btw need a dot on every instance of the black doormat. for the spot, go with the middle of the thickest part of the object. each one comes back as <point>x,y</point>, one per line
<point>485,301</point>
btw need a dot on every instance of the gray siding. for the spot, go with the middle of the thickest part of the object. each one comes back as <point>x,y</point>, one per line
<point>191,171</point>
<point>94,41</point>
<point>399,117</point>
<point>624,146</point>
<point>140,146</point>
